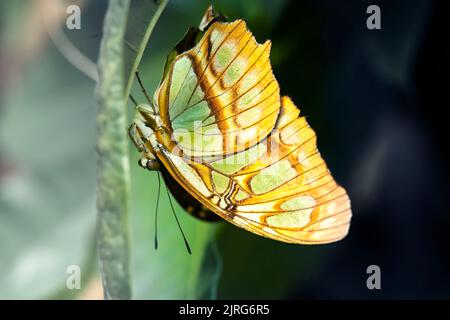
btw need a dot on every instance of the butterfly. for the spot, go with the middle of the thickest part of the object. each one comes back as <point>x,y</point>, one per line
<point>228,143</point>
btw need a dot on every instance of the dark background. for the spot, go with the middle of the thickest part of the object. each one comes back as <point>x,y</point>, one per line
<point>385,93</point>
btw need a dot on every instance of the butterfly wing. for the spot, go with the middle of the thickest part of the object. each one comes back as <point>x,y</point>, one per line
<point>220,97</point>
<point>240,149</point>
<point>288,193</point>
<point>281,188</point>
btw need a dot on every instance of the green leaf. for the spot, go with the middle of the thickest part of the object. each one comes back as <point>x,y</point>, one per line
<point>259,268</point>
<point>112,160</point>
<point>170,272</point>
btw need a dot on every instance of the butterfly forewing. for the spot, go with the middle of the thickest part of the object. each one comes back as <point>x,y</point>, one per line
<point>220,97</point>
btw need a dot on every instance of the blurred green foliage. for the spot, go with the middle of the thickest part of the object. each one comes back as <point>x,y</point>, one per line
<point>47,198</point>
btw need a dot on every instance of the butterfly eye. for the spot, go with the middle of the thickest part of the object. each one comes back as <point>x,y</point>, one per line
<point>149,164</point>
<point>142,162</point>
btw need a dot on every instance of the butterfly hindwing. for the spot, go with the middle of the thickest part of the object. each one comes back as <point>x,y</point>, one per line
<point>281,188</point>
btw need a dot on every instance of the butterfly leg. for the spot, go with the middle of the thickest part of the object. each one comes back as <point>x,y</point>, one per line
<point>143,89</point>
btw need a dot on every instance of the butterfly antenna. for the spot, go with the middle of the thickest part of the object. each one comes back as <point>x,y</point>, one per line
<point>143,88</point>
<point>178,223</point>
<point>156,213</point>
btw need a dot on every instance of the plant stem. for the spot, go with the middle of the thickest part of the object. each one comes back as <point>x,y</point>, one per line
<point>113,174</point>
<point>143,44</point>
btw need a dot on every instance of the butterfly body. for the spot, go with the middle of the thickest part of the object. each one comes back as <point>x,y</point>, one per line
<point>185,199</point>
<point>219,127</point>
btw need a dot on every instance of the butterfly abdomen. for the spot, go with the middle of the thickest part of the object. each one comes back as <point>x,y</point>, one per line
<point>185,200</point>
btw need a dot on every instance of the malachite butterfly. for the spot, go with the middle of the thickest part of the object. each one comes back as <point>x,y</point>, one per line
<point>228,143</point>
